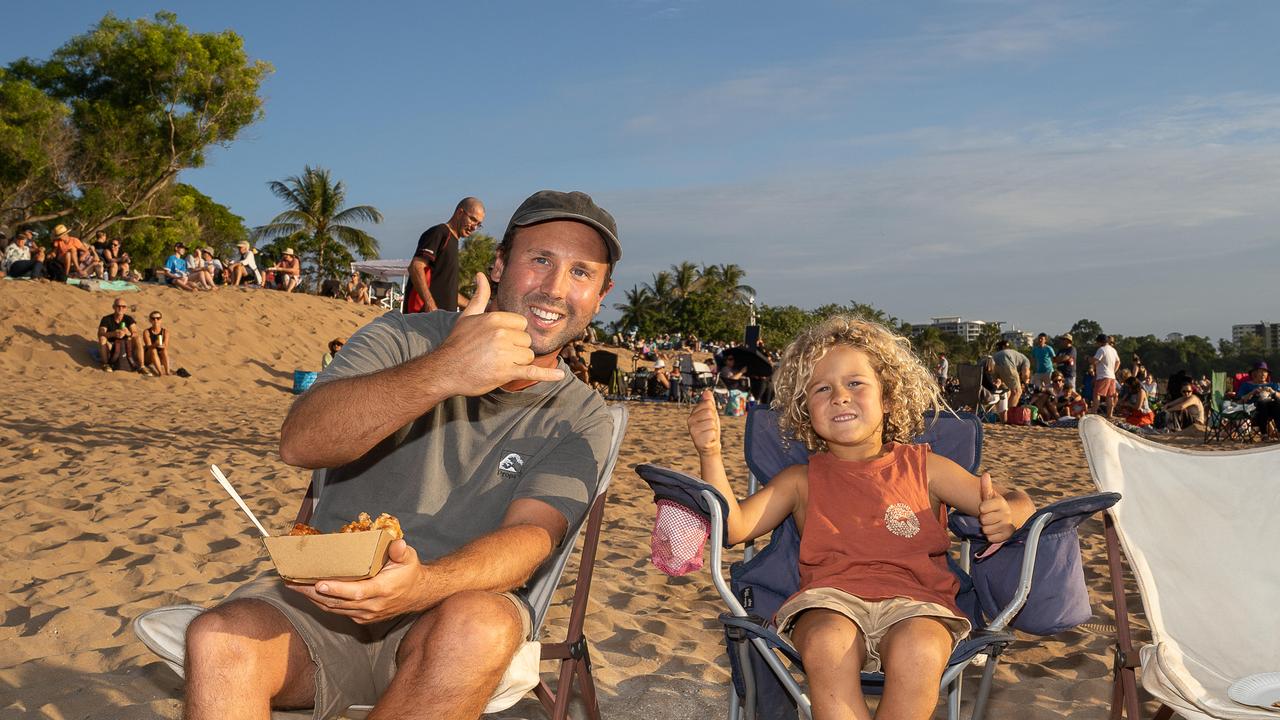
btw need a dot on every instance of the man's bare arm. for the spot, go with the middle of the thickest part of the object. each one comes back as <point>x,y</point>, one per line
<point>418,278</point>
<point>338,421</point>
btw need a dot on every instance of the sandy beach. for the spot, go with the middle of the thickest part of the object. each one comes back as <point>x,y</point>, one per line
<point>109,510</point>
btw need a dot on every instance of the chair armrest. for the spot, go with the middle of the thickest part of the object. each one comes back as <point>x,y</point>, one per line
<point>1067,514</point>
<point>754,626</point>
<point>685,490</point>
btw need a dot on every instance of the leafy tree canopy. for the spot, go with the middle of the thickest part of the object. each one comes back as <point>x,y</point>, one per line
<point>144,100</point>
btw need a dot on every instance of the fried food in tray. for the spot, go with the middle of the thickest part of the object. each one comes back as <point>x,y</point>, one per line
<point>363,523</point>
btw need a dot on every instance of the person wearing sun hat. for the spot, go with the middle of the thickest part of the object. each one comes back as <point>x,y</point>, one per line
<point>243,266</point>
<point>1064,361</point>
<point>215,265</point>
<point>1265,397</point>
<point>288,271</point>
<point>73,257</point>
<point>469,429</point>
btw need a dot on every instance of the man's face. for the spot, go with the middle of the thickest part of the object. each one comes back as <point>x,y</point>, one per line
<point>119,308</point>
<point>554,278</point>
<point>179,251</point>
<point>471,221</point>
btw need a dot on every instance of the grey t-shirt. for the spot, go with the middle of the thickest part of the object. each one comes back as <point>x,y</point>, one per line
<point>450,475</point>
<point>1013,360</point>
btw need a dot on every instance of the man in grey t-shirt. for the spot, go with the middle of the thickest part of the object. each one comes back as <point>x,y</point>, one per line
<point>469,430</point>
<point>1014,369</point>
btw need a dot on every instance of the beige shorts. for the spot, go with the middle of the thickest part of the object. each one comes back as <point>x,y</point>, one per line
<point>354,663</point>
<point>873,617</point>
<point>1013,381</point>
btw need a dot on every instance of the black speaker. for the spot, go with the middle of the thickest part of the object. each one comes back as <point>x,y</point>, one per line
<point>603,364</point>
<point>753,334</point>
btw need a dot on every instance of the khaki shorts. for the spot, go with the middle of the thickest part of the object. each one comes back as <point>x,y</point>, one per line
<point>354,663</point>
<point>1011,380</point>
<point>873,617</point>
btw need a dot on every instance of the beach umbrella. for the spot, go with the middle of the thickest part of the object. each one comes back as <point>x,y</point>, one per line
<point>757,365</point>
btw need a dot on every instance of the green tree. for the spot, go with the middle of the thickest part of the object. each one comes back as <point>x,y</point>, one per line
<point>36,167</point>
<point>317,218</point>
<point>1084,331</point>
<point>985,343</point>
<point>929,342</point>
<point>639,310</point>
<point>188,216</point>
<point>147,99</point>
<point>684,279</point>
<point>780,324</point>
<point>476,255</point>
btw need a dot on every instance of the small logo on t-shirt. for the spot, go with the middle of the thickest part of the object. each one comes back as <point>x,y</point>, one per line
<point>510,466</point>
<point>899,520</point>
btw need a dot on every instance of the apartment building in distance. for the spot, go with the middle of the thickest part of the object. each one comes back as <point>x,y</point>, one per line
<point>967,329</point>
<point>1268,331</point>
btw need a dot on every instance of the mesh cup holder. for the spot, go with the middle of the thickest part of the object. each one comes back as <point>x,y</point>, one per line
<point>679,535</point>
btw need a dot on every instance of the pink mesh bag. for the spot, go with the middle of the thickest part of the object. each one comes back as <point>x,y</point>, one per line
<point>679,535</point>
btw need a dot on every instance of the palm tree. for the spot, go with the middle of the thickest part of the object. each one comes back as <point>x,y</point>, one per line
<point>685,278</point>
<point>729,277</point>
<point>316,214</point>
<point>929,343</point>
<point>640,307</point>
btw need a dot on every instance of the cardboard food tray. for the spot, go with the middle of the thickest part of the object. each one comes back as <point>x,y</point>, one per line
<point>306,559</point>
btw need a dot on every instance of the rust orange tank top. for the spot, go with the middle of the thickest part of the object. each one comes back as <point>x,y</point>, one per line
<point>870,529</point>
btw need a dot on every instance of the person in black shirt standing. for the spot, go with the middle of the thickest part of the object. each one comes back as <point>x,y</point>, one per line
<point>118,336</point>
<point>433,272</point>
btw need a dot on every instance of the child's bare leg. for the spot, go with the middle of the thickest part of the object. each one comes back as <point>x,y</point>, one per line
<point>833,651</point>
<point>914,654</point>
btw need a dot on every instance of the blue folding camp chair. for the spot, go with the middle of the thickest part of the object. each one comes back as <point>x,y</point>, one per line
<point>996,592</point>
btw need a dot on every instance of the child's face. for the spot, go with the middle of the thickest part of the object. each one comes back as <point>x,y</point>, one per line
<point>845,402</point>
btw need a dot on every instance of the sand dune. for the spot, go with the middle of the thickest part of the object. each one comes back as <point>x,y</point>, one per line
<point>109,511</point>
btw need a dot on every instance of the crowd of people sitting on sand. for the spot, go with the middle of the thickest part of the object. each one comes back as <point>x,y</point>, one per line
<point>191,269</point>
<point>1042,389</point>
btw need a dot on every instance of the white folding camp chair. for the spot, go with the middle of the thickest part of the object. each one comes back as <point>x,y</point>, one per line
<point>1199,530</point>
<point>163,630</point>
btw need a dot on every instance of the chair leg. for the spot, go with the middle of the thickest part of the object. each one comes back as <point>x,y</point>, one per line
<point>587,687</point>
<point>984,688</point>
<point>1126,678</point>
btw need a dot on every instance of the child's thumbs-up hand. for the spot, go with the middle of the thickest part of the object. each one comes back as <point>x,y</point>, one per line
<point>704,425</point>
<point>994,512</point>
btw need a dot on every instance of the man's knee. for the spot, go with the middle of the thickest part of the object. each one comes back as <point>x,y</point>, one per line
<point>484,623</point>
<point>240,631</point>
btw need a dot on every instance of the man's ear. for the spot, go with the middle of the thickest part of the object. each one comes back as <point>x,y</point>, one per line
<point>600,300</point>
<point>495,273</point>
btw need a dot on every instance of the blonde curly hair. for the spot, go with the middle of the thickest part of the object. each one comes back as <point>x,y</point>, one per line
<point>909,388</point>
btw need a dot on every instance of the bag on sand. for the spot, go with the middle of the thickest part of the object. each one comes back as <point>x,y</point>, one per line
<point>736,405</point>
<point>1018,416</point>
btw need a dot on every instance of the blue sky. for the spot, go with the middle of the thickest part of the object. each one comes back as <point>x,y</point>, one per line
<point>1028,162</point>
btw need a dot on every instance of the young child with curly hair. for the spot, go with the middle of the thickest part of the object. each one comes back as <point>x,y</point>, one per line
<point>875,590</point>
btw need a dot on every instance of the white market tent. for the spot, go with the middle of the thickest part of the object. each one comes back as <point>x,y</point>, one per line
<point>386,271</point>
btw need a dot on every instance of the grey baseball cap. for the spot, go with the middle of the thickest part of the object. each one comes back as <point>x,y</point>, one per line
<point>547,205</point>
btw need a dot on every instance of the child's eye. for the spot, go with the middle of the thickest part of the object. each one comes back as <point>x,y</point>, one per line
<point>821,388</point>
